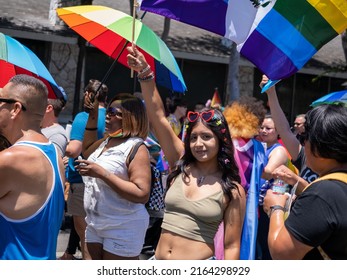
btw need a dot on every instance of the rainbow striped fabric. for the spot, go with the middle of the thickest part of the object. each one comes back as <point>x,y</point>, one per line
<point>278,36</point>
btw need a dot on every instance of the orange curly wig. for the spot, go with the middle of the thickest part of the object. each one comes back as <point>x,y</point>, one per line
<point>244,117</point>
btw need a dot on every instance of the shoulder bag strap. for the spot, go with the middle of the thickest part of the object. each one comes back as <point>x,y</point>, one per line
<point>133,152</point>
<point>340,176</point>
<point>323,254</point>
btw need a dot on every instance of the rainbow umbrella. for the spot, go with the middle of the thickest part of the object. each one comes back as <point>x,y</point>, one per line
<point>334,97</point>
<point>111,30</point>
<point>15,58</point>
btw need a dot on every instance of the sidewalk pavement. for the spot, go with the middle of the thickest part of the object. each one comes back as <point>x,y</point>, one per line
<point>63,239</point>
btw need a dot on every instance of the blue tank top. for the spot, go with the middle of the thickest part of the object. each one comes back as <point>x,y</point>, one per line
<point>35,237</point>
<point>269,150</point>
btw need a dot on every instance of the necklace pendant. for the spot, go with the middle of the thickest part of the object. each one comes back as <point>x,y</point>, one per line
<point>200,180</point>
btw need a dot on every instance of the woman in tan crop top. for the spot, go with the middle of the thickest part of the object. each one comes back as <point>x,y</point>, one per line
<point>204,185</point>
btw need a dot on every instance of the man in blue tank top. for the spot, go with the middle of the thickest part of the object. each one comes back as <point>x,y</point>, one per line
<point>32,175</point>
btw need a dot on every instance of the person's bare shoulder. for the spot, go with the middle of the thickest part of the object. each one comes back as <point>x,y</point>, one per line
<point>14,156</point>
<point>14,163</point>
<point>239,191</point>
<point>279,152</point>
<point>21,159</point>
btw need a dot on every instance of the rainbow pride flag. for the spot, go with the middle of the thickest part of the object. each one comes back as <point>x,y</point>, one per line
<point>216,98</point>
<point>277,36</point>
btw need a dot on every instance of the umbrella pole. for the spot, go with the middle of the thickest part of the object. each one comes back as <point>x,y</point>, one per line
<point>133,32</point>
<point>143,15</point>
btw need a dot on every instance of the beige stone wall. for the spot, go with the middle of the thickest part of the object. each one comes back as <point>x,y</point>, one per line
<point>63,68</point>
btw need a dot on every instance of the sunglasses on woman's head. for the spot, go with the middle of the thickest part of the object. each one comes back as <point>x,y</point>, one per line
<point>111,111</point>
<point>206,115</point>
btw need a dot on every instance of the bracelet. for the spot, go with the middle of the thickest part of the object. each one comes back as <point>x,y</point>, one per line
<point>147,78</point>
<point>145,69</point>
<point>273,208</point>
<point>91,128</point>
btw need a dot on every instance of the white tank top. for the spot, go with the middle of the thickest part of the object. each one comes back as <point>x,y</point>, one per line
<point>106,210</point>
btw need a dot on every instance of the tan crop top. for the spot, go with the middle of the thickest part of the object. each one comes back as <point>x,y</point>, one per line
<point>198,220</point>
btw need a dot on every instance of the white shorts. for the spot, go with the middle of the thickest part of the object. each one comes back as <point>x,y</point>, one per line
<point>124,243</point>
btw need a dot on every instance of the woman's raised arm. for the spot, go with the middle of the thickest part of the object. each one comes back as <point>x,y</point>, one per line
<point>172,146</point>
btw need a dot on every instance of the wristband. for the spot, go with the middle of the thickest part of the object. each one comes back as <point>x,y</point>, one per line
<point>273,208</point>
<point>91,128</point>
<point>145,69</point>
<point>147,78</point>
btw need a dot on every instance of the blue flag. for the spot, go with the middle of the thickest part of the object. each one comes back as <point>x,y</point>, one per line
<point>250,224</point>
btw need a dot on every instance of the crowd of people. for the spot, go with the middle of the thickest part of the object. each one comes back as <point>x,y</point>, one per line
<point>105,165</point>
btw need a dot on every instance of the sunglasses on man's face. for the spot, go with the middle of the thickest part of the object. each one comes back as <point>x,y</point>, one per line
<point>111,111</point>
<point>11,101</point>
<point>206,115</point>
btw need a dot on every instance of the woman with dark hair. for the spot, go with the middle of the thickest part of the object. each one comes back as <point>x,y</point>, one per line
<point>275,152</point>
<point>203,186</point>
<point>317,225</point>
<point>276,156</point>
<point>116,190</point>
<point>292,144</point>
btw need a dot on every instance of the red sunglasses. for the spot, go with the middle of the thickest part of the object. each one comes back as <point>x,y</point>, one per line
<point>206,115</point>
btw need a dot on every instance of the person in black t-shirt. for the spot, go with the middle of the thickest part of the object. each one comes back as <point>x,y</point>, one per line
<point>316,227</point>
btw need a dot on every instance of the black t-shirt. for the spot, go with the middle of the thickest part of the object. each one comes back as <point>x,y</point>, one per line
<point>318,217</point>
<point>305,172</point>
